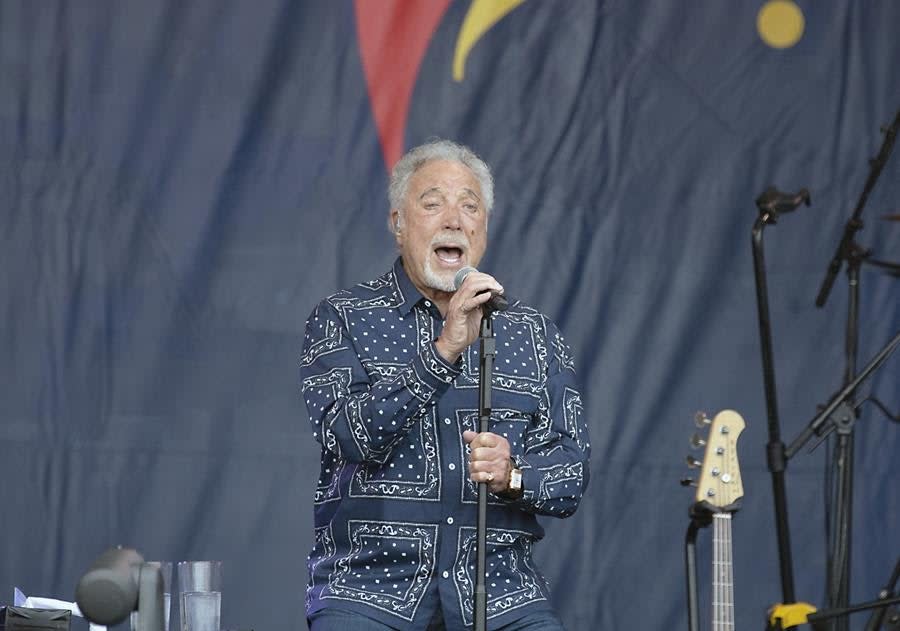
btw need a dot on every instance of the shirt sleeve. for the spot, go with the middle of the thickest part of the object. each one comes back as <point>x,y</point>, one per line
<point>359,417</point>
<point>555,462</point>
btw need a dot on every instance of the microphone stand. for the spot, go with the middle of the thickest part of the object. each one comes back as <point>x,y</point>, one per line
<point>488,352</point>
<point>838,566</point>
<point>840,415</point>
<point>772,203</point>
<point>855,223</point>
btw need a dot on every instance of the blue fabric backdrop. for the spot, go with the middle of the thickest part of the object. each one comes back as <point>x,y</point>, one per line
<point>182,181</point>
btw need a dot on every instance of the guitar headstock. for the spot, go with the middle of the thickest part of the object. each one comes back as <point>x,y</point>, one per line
<point>719,485</point>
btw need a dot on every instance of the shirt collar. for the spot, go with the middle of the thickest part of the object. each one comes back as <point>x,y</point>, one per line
<point>408,292</point>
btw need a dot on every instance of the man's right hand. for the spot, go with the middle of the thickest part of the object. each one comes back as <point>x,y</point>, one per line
<point>463,318</point>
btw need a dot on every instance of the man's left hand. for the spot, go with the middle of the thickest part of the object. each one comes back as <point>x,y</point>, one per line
<point>489,459</point>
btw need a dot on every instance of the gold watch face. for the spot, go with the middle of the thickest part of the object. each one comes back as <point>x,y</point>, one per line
<point>515,479</point>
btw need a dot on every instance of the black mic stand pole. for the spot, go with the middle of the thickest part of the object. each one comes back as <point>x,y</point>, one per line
<point>485,375</point>
<point>838,566</point>
<point>769,208</point>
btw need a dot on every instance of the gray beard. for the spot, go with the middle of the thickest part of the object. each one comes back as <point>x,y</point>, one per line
<point>441,282</point>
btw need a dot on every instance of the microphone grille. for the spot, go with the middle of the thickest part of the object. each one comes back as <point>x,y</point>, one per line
<point>461,275</point>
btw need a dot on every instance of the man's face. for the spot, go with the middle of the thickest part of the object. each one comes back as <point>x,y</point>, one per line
<point>443,226</point>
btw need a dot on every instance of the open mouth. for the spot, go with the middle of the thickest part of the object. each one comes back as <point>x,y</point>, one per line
<point>449,254</point>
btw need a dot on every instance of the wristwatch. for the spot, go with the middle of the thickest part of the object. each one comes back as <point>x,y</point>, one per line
<point>514,488</point>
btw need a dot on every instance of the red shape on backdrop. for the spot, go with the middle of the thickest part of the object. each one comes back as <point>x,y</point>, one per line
<point>393,37</point>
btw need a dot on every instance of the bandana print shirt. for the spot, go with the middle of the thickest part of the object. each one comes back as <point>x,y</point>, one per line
<point>395,511</point>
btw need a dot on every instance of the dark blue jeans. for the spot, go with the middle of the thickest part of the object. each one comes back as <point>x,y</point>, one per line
<point>341,620</point>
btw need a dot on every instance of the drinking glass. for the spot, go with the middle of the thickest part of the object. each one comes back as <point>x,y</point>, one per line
<point>200,587</point>
<point>165,568</point>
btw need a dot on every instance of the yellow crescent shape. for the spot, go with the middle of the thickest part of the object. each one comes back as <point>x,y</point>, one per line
<point>482,15</point>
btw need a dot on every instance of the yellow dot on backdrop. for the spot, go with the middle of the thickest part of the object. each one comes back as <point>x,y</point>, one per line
<point>780,23</point>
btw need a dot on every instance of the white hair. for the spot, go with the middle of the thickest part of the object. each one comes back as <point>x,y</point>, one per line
<point>438,149</point>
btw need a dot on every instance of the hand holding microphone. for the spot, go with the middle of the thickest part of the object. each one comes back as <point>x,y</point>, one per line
<point>497,301</point>
<point>476,293</point>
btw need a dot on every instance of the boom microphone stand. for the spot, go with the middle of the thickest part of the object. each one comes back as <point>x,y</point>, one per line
<point>838,568</point>
<point>855,223</point>
<point>839,415</point>
<point>839,412</point>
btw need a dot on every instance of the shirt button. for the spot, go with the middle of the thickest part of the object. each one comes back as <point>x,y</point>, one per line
<point>427,303</point>
<point>449,520</point>
<point>451,466</point>
<point>445,574</point>
<point>447,421</point>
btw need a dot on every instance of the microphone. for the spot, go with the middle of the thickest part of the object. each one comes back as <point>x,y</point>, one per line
<point>498,302</point>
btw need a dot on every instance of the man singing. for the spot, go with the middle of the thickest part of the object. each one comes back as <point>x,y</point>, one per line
<point>389,373</point>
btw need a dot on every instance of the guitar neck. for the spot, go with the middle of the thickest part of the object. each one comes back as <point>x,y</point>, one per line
<point>719,490</point>
<point>723,577</point>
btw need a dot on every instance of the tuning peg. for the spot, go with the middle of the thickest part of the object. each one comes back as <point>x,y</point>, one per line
<point>688,482</point>
<point>692,462</point>
<point>701,419</point>
<point>697,442</point>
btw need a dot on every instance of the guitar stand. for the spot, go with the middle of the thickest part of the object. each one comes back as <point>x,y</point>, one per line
<point>701,517</point>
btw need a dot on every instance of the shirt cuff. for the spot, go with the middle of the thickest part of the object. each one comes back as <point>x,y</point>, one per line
<point>434,371</point>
